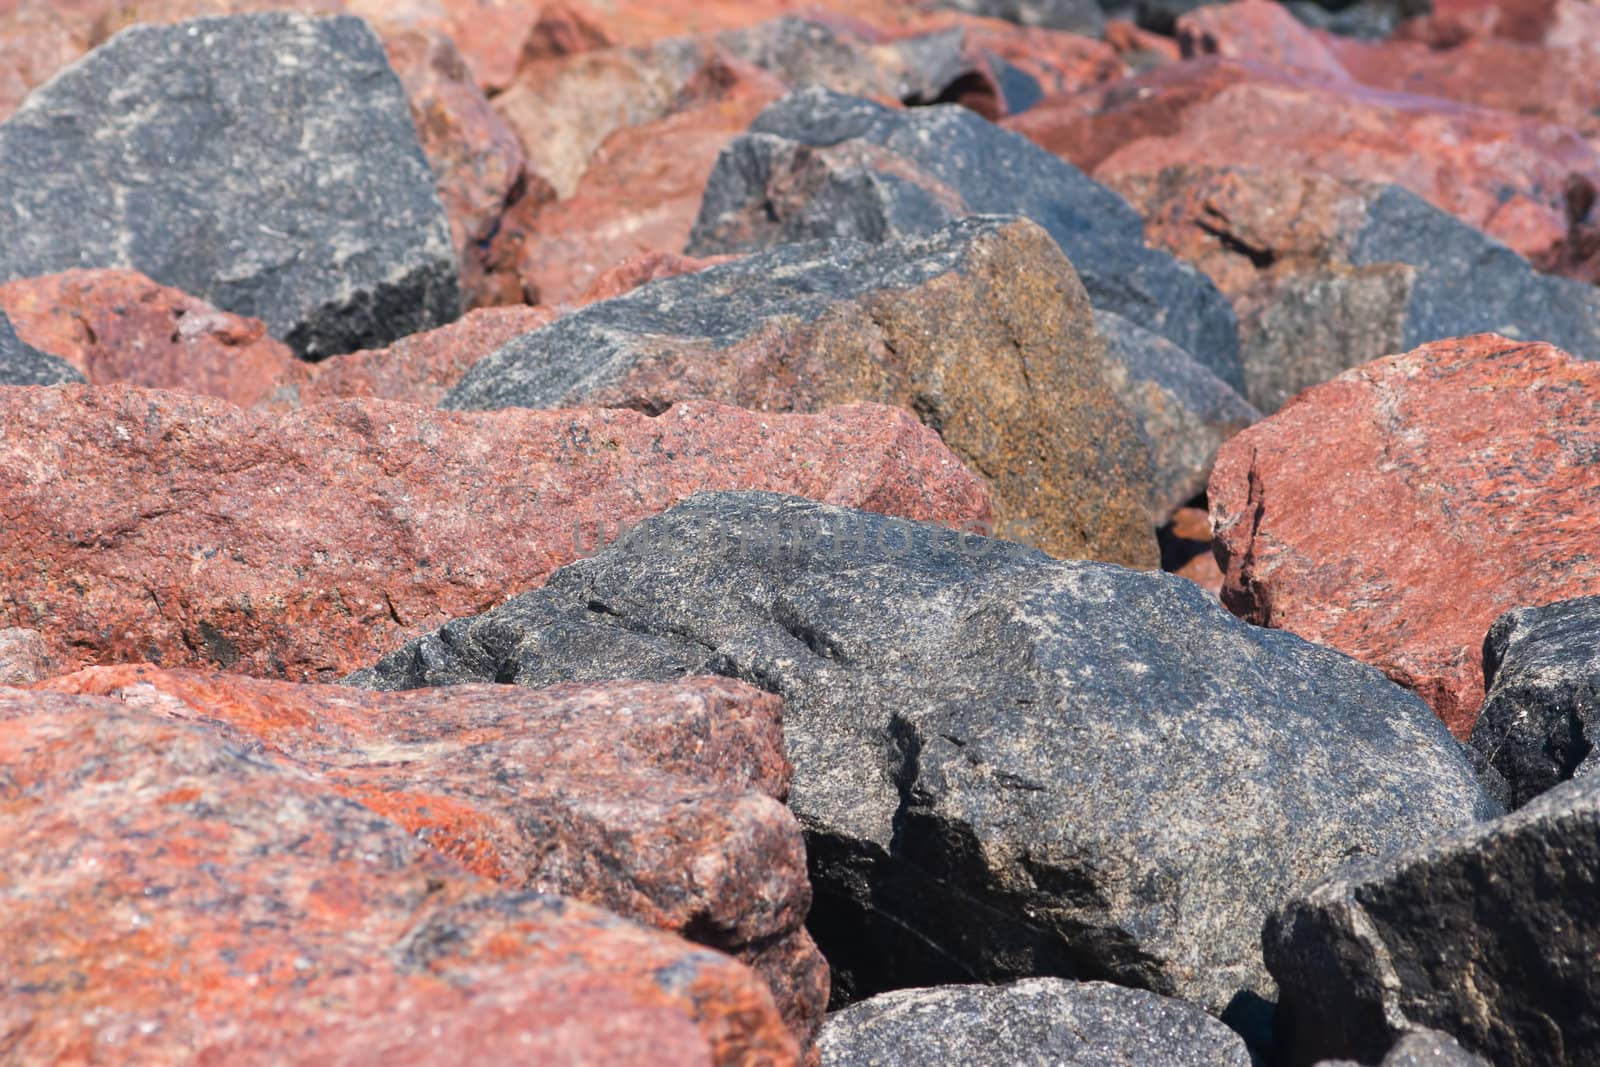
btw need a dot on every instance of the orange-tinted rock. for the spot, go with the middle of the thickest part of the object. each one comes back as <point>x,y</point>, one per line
<point>1138,47</point>
<point>119,326</point>
<point>563,31</point>
<point>521,787</point>
<point>1256,29</point>
<point>647,267</point>
<point>173,897</point>
<point>37,38</point>
<point>1186,548</point>
<point>24,659</point>
<point>180,530</point>
<point>1394,512</point>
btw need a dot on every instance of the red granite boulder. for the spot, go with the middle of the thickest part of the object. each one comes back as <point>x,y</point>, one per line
<point>1394,512</point>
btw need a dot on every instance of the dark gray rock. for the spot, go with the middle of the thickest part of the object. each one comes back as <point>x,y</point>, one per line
<point>1489,934</point>
<point>1184,411</point>
<point>1422,1048</point>
<point>1074,16</point>
<point>1541,716</point>
<point>265,163</point>
<point>1005,765</point>
<point>817,164</point>
<point>22,364</point>
<point>1039,1022</point>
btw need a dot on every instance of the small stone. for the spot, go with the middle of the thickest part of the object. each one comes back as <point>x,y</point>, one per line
<point>24,659</point>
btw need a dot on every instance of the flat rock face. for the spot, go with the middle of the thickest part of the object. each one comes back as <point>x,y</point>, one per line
<point>22,364</point>
<point>1037,1021</point>
<point>1541,716</point>
<point>304,545</point>
<point>1486,934</point>
<point>1030,766</point>
<point>265,163</point>
<point>982,329</point>
<point>176,892</point>
<point>817,164</point>
<point>521,787</point>
<point>1394,512</point>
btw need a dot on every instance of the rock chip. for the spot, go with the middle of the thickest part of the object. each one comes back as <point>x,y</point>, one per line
<point>265,163</point>
<point>173,894</point>
<point>22,364</point>
<point>1394,512</point>
<point>521,787</point>
<point>982,329</point>
<point>1039,1021</point>
<point>1541,716</point>
<point>24,659</point>
<point>1005,765</point>
<point>817,164</point>
<point>1486,934</point>
<point>304,545</point>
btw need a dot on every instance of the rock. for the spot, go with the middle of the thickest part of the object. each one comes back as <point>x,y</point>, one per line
<point>36,39</point>
<point>1184,410</point>
<point>174,893</point>
<point>302,546</point>
<point>119,326</point>
<point>817,164</point>
<point>1037,1021</point>
<point>23,657</point>
<point>1421,1048</point>
<point>1486,934</point>
<point>1264,32</point>
<point>631,273</point>
<point>22,364</point>
<point>981,329</point>
<point>1541,716</point>
<point>1074,16</point>
<point>270,167</point>
<point>1327,274</point>
<point>1186,549</point>
<point>521,788</point>
<point>987,788</point>
<point>1395,511</point>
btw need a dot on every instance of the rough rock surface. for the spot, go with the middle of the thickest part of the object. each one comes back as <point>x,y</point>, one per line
<point>265,163</point>
<point>981,329</point>
<point>521,787</point>
<point>1421,1048</point>
<point>1541,717</point>
<point>24,659</point>
<point>817,164</point>
<point>304,545</point>
<point>1264,32</point>
<point>1039,1022</point>
<point>22,364</point>
<point>1184,411</point>
<point>1005,765</point>
<point>1075,16</point>
<point>1394,512</point>
<point>1486,934</point>
<point>173,895</point>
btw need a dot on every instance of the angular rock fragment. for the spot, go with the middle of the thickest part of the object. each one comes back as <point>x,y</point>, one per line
<point>265,163</point>
<point>301,546</point>
<point>1394,512</point>
<point>1036,1021</point>
<point>22,364</point>
<point>817,164</point>
<point>1005,765</point>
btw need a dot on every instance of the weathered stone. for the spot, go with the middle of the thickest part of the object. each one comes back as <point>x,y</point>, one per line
<point>22,364</point>
<point>1005,765</point>
<point>1421,1048</point>
<point>23,657</point>
<point>1184,411</point>
<point>1037,1021</point>
<point>119,326</point>
<point>1394,512</point>
<point>181,530</point>
<point>522,788</point>
<point>982,329</point>
<point>264,163</point>
<point>1541,716</point>
<point>1486,934</point>
<point>173,895</point>
<point>1074,16</point>
<point>1265,32</point>
<point>631,273</point>
<point>817,164</point>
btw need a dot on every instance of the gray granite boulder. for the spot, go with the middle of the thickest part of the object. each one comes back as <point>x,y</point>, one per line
<point>265,163</point>
<point>22,364</point>
<point>1038,1022</point>
<point>1541,716</point>
<point>1006,765</point>
<point>1489,934</point>
<point>817,164</point>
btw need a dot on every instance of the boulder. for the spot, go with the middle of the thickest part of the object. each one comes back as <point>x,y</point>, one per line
<point>184,531</point>
<point>1264,32</point>
<point>22,364</point>
<point>1421,1048</point>
<point>817,164</point>
<point>264,163</point>
<point>1394,512</point>
<point>1486,934</point>
<point>1036,1021</point>
<point>1005,765</point>
<point>1541,715</point>
<point>24,659</point>
<point>175,893</point>
<point>982,329</point>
